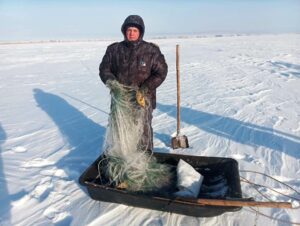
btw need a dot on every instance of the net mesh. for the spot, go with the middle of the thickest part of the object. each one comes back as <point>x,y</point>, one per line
<point>128,161</point>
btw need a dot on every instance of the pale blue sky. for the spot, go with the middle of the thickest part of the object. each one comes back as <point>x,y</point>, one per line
<point>79,19</point>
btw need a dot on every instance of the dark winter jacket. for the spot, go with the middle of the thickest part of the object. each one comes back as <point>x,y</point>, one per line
<point>138,64</point>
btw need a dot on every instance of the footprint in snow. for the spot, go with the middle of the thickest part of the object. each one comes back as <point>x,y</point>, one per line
<point>54,172</point>
<point>189,221</point>
<point>42,190</point>
<point>248,158</point>
<point>58,217</point>
<point>37,162</point>
<point>153,222</point>
<point>19,149</point>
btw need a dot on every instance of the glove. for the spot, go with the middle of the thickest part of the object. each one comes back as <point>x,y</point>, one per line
<point>140,98</point>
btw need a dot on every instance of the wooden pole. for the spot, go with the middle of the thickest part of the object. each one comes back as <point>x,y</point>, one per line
<point>224,202</point>
<point>218,202</point>
<point>178,89</point>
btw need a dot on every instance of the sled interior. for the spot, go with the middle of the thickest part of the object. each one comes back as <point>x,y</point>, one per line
<point>221,181</point>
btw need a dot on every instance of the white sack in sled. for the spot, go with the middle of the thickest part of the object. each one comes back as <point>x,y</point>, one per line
<point>188,180</point>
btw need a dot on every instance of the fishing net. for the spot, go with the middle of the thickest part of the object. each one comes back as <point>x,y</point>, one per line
<point>128,164</point>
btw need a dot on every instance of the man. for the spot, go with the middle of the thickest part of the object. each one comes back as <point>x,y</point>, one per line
<point>137,63</point>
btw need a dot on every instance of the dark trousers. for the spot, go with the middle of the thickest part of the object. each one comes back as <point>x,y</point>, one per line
<point>147,138</point>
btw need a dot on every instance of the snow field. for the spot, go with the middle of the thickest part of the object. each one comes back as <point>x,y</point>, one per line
<point>240,99</point>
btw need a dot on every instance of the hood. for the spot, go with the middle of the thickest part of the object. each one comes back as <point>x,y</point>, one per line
<point>135,21</point>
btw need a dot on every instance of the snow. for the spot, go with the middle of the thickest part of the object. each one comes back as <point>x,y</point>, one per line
<point>240,99</point>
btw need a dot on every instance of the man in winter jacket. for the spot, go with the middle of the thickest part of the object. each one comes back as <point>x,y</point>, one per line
<point>135,62</point>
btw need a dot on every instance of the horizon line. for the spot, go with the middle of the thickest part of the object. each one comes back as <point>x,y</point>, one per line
<point>161,36</point>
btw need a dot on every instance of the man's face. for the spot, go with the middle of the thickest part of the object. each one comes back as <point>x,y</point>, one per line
<point>132,33</point>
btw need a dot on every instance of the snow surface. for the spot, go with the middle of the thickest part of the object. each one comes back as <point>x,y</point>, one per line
<point>240,99</point>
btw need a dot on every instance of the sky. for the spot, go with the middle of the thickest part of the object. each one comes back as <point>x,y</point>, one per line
<point>92,19</point>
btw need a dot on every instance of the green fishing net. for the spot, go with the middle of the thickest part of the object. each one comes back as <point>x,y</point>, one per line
<point>127,161</point>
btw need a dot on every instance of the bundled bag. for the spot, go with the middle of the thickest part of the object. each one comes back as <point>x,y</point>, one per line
<point>188,180</point>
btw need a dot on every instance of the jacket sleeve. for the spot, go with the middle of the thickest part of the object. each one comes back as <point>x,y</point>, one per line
<point>105,68</point>
<point>159,71</point>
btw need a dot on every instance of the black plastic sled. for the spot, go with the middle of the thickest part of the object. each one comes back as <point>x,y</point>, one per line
<point>221,181</point>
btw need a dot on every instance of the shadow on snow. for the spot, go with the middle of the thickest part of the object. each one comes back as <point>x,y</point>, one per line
<point>290,69</point>
<point>4,195</point>
<point>238,131</point>
<point>84,136</point>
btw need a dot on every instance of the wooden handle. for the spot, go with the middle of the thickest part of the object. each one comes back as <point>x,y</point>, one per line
<point>225,202</point>
<point>178,89</point>
<point>217,202</point>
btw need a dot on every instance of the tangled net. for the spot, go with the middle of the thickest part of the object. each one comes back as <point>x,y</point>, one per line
<point>128,162</point>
